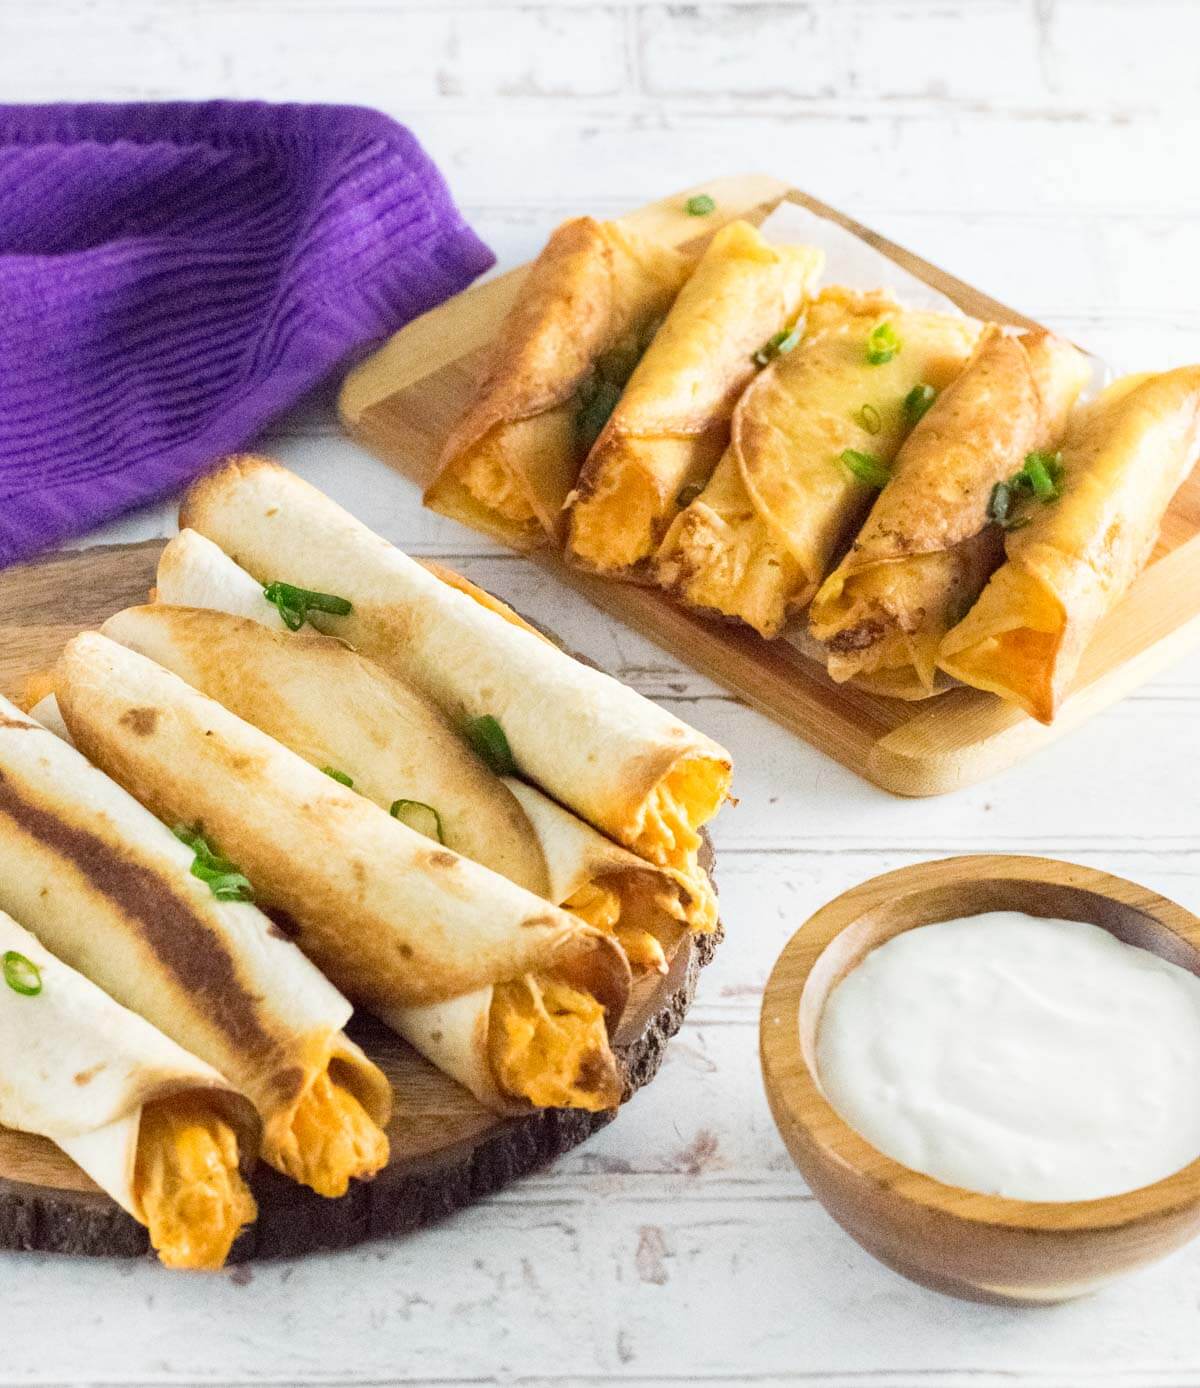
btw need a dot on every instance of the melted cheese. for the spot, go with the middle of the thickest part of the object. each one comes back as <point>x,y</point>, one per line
<point>601,907</point>
<point>486,475</point>
<point>327,1140</point>
<point>547,1043</point>
<point>720,556</point>
<point>666,833</point>
<point>187,1184</point>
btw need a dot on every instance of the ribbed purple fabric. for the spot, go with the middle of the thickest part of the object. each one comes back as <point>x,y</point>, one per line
<point>172,276</point>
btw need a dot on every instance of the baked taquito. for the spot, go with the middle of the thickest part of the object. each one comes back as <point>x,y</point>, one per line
<point>624,765</point>
<point>586,310</point>
<point>164,927</point>
<point>671,425</point>
<point>1071,554</point>
<point>157,1129</point>
<point>928,546</point>
<point>812,439</point>
<point>390,915</point>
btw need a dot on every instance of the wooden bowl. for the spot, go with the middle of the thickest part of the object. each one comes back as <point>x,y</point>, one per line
<point>981,1247</point>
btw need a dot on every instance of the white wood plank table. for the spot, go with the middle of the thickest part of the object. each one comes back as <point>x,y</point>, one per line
<point>1044,149</point>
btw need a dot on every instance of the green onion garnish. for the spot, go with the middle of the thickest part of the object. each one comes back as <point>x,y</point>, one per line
<point>868,416</point>
<point>1041,476</point>
<point>223,878</point>
<point>699,206</point>
<point>294,603</point>
<point>1044,473</point>
<point>487,737</point>
<point>339,776</point>
<point>688,494</point>
<point>1000,503</point>
<point>866,467</point>
<point>22,975</point>
<point>916,402</point>
<point>779,345</point>
<point>598,403</point>
<point>883,344</point>
<point>419,816</point>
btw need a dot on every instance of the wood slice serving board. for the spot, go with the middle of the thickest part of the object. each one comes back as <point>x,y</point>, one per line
<point>447,1150</point>
<point>401,402</point>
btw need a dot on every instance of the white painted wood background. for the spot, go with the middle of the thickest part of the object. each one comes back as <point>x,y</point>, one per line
<point>1044,149</point>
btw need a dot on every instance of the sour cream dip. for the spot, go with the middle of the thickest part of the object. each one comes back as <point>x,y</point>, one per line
<point>1018,1056</point>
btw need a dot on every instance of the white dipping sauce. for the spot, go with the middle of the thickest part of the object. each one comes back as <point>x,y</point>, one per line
<point>1030,1058</point>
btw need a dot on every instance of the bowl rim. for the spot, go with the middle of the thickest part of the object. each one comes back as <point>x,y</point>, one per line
<point>795,1094</point>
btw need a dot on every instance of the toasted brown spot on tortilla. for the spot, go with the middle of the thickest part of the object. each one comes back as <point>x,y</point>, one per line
<point>141,721</point>
<point>440,858</point>
<point>592,1071</point>
<point>857,638</point>
<point>179,937</point>
<point>87,1076</point>
<point>537,922</point>
<point>8,722</point>
<point>288,1084</point>
<point>283,925</point>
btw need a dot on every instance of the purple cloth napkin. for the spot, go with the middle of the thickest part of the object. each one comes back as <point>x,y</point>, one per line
<point>172,276</point>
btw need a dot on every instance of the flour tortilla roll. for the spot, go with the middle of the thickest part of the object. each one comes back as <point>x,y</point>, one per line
<point>588,307</point>
<point>671,425</point>
<point>757,542</point>
<point>340,711</point>
<point>109,889</point>
<point>626,766</point>
<point>1123,458</point>
<point>395,919</point>
<point>928,547</point>
<point>156,1128</point>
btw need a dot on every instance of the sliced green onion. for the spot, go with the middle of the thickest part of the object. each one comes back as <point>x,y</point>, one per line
<point>917,402</point>
<point>294,604</point>
<point>487,737</point>
<point>1039,478</point>
<point>339,776</point>
<point>419,816</point>
<point>868,416</point>
<point>22,975</point>
<point>223,878</point>
<point>594,413</point>
<point>779,345</point>
<point>866,467</point>
<point>883,344</point>
<point>688,494</point>
<point>1044,474</point>
<point>700,206</point>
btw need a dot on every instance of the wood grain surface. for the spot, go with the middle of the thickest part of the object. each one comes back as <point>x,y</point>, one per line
<point>447,1150</point>
<point>980,1247</point>
<point>402,402</point>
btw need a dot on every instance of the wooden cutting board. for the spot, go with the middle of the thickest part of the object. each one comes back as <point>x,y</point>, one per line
<point>447,1149</point>
<point>401,402</point>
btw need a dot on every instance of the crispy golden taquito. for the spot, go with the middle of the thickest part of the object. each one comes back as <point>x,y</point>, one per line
<point>928,546</point>
<point>811,439</point>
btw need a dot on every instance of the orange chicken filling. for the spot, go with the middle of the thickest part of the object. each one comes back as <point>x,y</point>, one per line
<point>547,1043</point>
<point>327,1140</point>
<point>666,833</point>
<point>488,479</point>
<point>187,1183</point>
<point>603,907</point>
